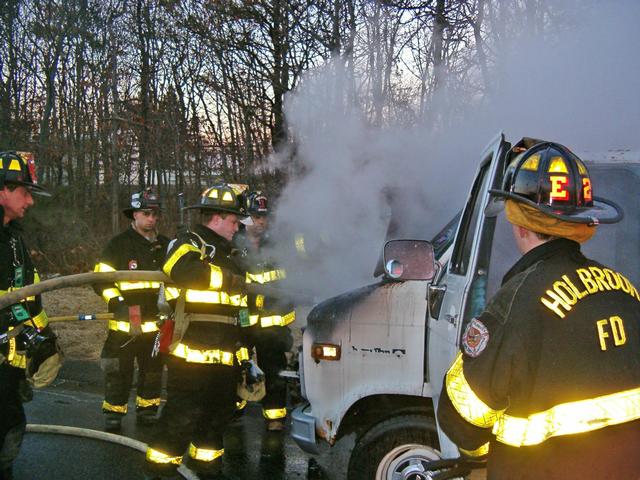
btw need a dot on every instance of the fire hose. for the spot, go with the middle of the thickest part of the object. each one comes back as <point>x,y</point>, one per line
<point>184,471</point>
<point>82,279</point>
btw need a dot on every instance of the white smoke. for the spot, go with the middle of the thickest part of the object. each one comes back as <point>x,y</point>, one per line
<point>577,86</point>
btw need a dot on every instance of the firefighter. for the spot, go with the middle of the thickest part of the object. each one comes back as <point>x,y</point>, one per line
<point>134,305</point>
<point>206,352</point>
<point>548,379</point>
<point>269,332</point>
<point>29,354</point>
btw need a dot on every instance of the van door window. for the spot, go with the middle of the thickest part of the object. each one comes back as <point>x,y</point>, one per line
<point>473,210</point>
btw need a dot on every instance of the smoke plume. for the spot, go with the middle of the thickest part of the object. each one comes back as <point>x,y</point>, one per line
<point>577,86</point>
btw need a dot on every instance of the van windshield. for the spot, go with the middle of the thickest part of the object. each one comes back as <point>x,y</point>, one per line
<point>444,238</point>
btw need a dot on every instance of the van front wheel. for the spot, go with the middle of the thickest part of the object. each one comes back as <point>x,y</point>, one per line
<point>396,449</point>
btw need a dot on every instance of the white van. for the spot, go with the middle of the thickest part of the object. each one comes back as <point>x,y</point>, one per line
<point>373,359</point>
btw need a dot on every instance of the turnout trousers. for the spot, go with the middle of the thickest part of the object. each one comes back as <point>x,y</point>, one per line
<point>201,401</point>
<point>271,345</point>
<point>119,355</point>
<point>12,418</point>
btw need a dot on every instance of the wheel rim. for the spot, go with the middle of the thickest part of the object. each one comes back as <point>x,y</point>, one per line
<point>407,462</point>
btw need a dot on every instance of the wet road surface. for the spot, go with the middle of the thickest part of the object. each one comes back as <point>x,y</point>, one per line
<point>75,399</point>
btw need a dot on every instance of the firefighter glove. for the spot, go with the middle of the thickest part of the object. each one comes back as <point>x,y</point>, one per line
<point>252,388</point>
<point>44,361</point>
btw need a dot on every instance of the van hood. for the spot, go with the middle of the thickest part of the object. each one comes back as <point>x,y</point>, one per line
<point>335,308</point>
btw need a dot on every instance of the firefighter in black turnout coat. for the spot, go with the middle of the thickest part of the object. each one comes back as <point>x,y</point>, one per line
<point>269,332</point>
<point>548,379</point>
<point>206,350</point>
<point>134,304</point>
<point>27,344</point>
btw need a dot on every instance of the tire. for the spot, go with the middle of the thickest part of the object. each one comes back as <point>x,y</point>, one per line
<point>395,449</point>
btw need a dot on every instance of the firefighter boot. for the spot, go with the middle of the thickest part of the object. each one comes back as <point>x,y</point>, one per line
<point>112,422</point>
<point>276,425</point>
<point>146,417</point>
<point>207,470</point>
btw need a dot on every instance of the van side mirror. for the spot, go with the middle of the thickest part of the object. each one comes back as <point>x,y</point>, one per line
<point>409,260</point>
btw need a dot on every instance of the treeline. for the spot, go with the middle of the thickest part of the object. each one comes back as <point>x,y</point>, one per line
<point>115,95</point>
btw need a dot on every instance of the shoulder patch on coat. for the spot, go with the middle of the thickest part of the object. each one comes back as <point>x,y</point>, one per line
<point>133,264</point>
<point>475,338</point>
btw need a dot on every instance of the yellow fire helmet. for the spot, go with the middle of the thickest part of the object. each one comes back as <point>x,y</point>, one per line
<point>223,197</point>
<point>19,168</point>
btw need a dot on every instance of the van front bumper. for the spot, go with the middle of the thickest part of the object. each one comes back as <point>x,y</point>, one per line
<point>303,428</point>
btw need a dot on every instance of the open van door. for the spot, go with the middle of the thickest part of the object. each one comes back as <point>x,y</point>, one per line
<point>460,293</point>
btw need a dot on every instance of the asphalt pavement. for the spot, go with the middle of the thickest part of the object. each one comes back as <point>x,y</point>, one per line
<point>75,400</point>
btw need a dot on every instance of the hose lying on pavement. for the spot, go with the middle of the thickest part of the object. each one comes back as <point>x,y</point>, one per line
<point>104,436</point>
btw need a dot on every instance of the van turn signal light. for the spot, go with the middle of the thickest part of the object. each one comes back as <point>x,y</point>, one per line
<point>325,351</point>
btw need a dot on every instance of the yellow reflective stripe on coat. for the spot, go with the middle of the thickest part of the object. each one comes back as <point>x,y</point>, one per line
<point>12,348</point>
<point>241,404</point>
<point>109,293</point>
<point>242,354</point>
<point>109,407</point>
<point>267,276</point>
<point>171,293</point>
<point>192,355</point>
<point>41,320</point>
<point>478,452</point>
<point>216,277</point>
<point>277,320</point>
<point>122,326</point>
<point>147,402</point>
<point>569,418</point>
<point>103,267</point>
<point>465,401</point>
<point>204,454</point>
<point>253,319</point>
<point>19,360</point>
<point>156,456</point>
<point>221,298</point>
<point>181,251</point>
<point>274,413</point>
<point>126,286</point>
<point>15,358</point>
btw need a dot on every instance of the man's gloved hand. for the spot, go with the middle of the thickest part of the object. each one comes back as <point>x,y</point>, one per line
<point>44,360</point>
<point>252,372</point>
<point>252,388</point>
